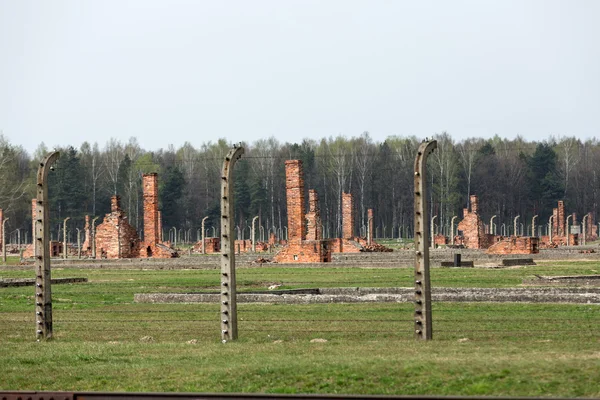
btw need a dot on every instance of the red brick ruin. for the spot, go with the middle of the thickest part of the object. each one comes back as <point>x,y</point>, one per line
<point>348,243</point>
<point>152,246</point>
<point>473,232</point>
<point>474,235</point>
<point>299,248</point>
<point>115,238</point>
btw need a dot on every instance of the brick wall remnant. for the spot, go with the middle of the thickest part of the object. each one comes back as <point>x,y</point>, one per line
<point>515,245</point>
<point>115,237</point>
<point>298,248</point>
<point>313,217</point>
<point>473,231</point>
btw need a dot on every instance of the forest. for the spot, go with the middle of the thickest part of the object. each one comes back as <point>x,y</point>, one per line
<point>511,177</point>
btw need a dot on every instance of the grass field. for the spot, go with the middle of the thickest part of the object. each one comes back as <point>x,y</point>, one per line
<point>104,341</point>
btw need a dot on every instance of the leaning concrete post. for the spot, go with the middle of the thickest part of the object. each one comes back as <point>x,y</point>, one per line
<point>567,228</point>
<point>432,244</point>
<point>516,225</point>
<point>41,251</point>
<point>423,318</point>
<point>452,229</point>
<point>94,236</point>
<point>78,242</point>
<point>65,237</point>
<point>533,225</point>
<point>228,284</point>
<point>584,228</point>
<point>203,244</point>
<point>492,225</point>
<point>254,234</point>
<point>4,239</point>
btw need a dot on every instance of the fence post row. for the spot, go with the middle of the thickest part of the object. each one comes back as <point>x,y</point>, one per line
<point>228,285</point>
<point>423,322</point>
<point>43,290</point>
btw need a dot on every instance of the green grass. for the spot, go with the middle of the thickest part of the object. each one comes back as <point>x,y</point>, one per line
<point>104,341</point>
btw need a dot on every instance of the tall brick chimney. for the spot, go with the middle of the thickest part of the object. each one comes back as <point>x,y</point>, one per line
<point>474,204</point>
<point>115,203</point>
<point>347,216</point>
<point>294,187</point>
<point>150,189</point>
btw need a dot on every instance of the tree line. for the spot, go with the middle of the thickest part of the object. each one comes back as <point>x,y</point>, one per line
<point>511,177</point>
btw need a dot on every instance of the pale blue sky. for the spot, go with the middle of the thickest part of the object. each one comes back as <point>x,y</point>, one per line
<point>174,71</point>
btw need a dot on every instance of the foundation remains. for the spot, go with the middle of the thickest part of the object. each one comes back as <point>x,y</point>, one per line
<point>515,245</point>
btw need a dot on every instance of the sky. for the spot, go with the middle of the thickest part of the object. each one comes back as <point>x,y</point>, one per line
<point>167,72</point>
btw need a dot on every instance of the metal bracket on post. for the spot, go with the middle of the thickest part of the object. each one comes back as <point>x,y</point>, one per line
<point>228,313</point>
<point>423,321</point>
<point>41,242</point>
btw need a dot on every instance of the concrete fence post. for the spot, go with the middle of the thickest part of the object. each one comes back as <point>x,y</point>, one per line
<point>4,239</point>
<point>492,225</point>
<point>41,243</point>
<point>203,243</point>
<point>254,233</point>
<point>452,229</point>
<point>94,236</point>
<point>584,229</point>
<point>432,244</point>
<point>550,228</point>
<point>533,225</point>
<point>78,242</point>
<point>516,225</point>
<point>422,316</point>
<point>567,228</point>
<point>228,313</point>
<point>65,237</point>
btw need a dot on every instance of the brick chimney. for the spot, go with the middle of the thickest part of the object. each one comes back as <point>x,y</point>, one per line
<point>347,216</point>
<point>294,187</point>
<point>474,204</point>
<point>115,203</point>
<point>150,190</point>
